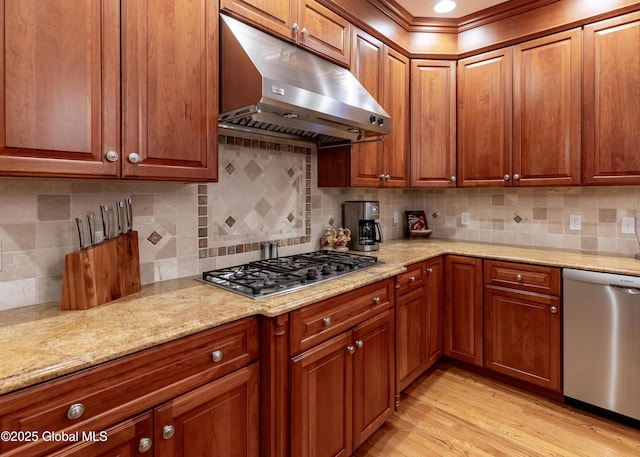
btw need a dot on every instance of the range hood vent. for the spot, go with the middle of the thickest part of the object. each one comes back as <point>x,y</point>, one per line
<point>274,88</point>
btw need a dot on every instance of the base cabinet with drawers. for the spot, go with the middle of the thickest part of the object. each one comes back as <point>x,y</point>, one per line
<point>194,396</point>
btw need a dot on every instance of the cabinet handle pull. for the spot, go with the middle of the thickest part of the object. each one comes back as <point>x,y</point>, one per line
<point>381,176</point>
<point>506,177</point>
<point>326,321</point>
<point>359,343</point>
<point>216,356</point>
<point>376,300</point>
<point>519,277</point>
<point>134,157</point>
<point>144,445</point>
<point>168,431</point>
<point>452,179</point>
<point>516,176</point>
<point>412,278</point>
<point>75,411</point>
<point>553,309</point>
<point>295,27</point>
<point>304,31</point>
<point>429,270</point>
<point>112,156</point>
<point>351,349</point>
<point>387,177</point>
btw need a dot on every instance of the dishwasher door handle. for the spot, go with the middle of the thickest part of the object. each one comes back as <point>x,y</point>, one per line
<point>629,290</point>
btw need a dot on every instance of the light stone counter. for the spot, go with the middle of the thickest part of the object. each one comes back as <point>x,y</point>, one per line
<point>41,342</point>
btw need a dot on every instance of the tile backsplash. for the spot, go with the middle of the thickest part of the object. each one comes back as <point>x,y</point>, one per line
<point>267,191</point>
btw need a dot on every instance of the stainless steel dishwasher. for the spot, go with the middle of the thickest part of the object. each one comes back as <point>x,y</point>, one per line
<point>601,340</point>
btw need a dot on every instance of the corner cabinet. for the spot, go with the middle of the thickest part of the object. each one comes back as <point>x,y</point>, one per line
<point>305,22</point>
<point>63,71</point>
<point>612,101</point>
<point>519,114</point>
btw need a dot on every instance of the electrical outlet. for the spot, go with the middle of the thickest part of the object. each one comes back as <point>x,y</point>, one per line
<point>575,222</point>
<point>396,217</point>
<point>628,225</point>
<point>464,218</point>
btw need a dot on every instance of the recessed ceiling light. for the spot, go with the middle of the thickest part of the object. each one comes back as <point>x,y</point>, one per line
<point>444,6</point>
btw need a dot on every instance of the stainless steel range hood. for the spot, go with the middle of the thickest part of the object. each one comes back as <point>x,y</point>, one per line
<point>272,87</point>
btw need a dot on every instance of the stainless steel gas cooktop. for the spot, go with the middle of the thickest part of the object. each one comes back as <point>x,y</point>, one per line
<point>265,278</point>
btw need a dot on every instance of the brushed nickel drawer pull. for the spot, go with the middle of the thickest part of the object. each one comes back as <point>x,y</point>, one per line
<point>216,356</point>
<point>359,344</point>
<point>326,321</point>
<point>519,277</point>
<point>553,309</point>
<point>168,431</point>
<point>351,349</point>
<point>144,445</point>
<point>376,300</point>
<point>75,411</point>
<point>412,278</point>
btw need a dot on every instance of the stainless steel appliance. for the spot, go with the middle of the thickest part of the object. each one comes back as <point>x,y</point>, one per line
<point>272,87</point>
<point>264,278</point>
<point>361,217</point>
<point>601,324</point>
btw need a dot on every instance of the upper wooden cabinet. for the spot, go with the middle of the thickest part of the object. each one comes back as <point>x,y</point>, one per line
<point>612,101</point>
<point>433,123</point>
<point>519,114</point>
<point>62,64</point>
<point>306,22</point>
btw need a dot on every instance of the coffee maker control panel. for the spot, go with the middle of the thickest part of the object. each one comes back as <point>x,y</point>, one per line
<point>371,210</point>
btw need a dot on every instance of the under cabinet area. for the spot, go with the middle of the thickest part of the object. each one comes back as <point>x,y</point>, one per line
<point>192,389</point>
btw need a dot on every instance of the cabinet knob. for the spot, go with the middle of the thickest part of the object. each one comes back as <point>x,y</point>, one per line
<point>295,27</point>
<point>75,411</point>
<point>519,277</point>
<point>326,321</point>
<point>144,445</point>
<point>304,31</point>
<point>351,349</point>
<point>553,309</point>
<point>387,177</point>
<point>381,176</point>
<point>168,431</point>
<point>506,177</point>
<point>216,356</point>
<point>516,176</point>
<point>429,270</point>
<point>359,343</point>
<point>453,179</point>
<point>412,278</point>
<point>112,156</point>
<point>376,300</point>
<point>134,157</point>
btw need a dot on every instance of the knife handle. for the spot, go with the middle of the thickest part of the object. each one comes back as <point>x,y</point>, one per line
<point>80,227</point>
<point>119,216</point>
<point>129,212</point>
<point>104,210</point>
<point>91,229</point>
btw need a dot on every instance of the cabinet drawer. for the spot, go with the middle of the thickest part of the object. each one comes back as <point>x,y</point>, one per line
<point>316,323</point>
<point>411,279</point>
<point>534,278</point>
<point>113,391</point>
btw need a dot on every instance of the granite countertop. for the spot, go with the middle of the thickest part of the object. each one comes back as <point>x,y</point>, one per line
<point>41,342</point>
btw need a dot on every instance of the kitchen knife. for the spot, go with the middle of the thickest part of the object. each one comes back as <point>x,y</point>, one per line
<point>91,229</point>
<point>104,210</point>
<point>119,216</point>
<point>80,227</point>
<point>129,212</point>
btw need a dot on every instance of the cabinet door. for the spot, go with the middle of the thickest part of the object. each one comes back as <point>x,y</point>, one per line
<point>434,294</point>
<point>366,65</point>
<point>612,101</point>
<point>522,336</point>
<point>373,376</point>
<point>547,78</point>
<point>433,123</point>
<point>395,97</point>
<point>130,438</point>
<point>275,15</point>
<point>484,119</point>
<point>324,31</point>
<point>60,80</point>
<point>321,400</point>
<point>170,89</point>
<point>411,336</point>
<point>463,309</point>
<point>217,420</point>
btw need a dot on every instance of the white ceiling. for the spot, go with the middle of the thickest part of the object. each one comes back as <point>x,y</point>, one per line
<point>424,8</point>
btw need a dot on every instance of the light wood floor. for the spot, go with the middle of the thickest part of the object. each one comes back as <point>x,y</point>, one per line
<point>452,412</point>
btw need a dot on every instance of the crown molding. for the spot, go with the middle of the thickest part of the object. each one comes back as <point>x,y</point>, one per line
<point>499,12</point>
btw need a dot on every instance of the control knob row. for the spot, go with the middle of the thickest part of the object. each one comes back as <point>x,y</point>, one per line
<point>376,120</point>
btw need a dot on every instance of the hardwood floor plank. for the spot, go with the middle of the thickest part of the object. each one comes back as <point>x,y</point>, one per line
<point>453,412</point>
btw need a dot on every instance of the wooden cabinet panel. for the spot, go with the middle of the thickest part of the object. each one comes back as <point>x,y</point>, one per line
<point>523,336</point>
<point>321,400</point>
<point>373,376</point>
<point>484,119</point>
<point>60,79</point>
<point>534,278</point>
<point>433,123</point>
<point>170,82</point>
<point>547,78</point>
<point>612,101</point>
<point>275,15</point>
<point>325,32</point>
<point>435,310</point>
<point>217,420</point>
<point>463,309</point>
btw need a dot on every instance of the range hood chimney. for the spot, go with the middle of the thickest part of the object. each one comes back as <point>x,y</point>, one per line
<point>272,87</point>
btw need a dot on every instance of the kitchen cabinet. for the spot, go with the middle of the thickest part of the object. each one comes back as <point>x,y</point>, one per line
<point>522,322</point>
<point>419,320</point>
<point>305,22</point>
<point>611,101</point>
<point>192,382</point>
<point>519,116</point>
<point>463,338</point>
<point>63,72</point>
<point>433,123</point>
<point>342,383</point>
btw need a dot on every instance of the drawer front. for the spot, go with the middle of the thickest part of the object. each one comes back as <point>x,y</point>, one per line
<point>100,396</point>
<point>533,278</point>
<point>411,279</point>
<point>316,323</point>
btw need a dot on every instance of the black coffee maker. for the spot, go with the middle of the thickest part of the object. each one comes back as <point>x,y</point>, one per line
<point>361,217</point>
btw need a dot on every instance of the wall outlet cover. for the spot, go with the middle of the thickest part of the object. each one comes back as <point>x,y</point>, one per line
<point>575,222</point>
<point>628,225</point>
<point>464,218</point>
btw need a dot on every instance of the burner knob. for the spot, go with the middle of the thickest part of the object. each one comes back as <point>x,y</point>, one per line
<point>326,270</point>
<point>312,274</point>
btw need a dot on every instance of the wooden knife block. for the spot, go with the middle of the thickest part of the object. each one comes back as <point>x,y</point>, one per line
<point>101,273</point>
